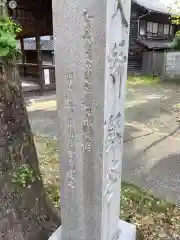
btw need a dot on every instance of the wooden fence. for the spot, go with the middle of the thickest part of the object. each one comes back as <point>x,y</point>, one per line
<point>153,63</point>
<point>164,64</point>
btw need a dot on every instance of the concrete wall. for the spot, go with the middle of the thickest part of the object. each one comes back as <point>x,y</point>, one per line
<point>164,64</point>
<point>172,66</point>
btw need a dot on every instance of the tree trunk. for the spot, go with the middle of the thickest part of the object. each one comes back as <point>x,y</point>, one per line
<point>25,213</point>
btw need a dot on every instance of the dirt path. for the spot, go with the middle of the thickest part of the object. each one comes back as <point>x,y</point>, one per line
<point>152,156</point>
<point>151,141</point>
<point>156,107</point>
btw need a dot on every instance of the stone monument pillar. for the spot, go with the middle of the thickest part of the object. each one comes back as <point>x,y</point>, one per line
<point>91,49</point>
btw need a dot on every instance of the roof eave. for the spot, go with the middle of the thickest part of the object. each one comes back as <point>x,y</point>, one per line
<point>151,10</point>
<point>153,48</point>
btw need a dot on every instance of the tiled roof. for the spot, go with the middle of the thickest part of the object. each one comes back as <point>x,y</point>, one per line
<point>30,45</point>
<point>155,44</point>
<point>157,5</point>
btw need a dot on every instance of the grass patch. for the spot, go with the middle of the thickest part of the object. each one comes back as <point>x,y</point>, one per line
<point>155,218</point>
<point>47,151</point>
<point>142,80</point>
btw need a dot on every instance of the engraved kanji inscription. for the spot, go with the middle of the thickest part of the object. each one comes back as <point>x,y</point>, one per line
<point>114,132</point>
<point>68,103</point>
<point>88,53</point>
<point>117,235</point>
<point>87,102</point>
<point>113,176</point>
<point>116,61</point>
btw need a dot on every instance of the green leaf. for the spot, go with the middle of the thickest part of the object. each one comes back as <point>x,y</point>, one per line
<point>8,43</point>
<point>4,51</point>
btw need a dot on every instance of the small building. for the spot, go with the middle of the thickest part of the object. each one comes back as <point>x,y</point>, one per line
<point>29,69</point>
<point>47,50</point>
<point>150,30</point>
<point>35,18</point>
<point>30,55</point>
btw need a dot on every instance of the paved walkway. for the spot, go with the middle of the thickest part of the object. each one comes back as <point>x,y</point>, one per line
<point>151,141</point>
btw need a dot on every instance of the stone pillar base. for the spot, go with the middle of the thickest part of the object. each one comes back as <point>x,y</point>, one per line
<point>56,235</point>
<point>128,232</point>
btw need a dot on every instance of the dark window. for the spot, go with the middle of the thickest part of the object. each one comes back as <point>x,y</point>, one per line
<point>158,29</point>
<point>134,14</point>
<point>166,29</point>
<point>142,28</point>
<point>161,30</point>
<point>152,28</point>
<point>31,57</point>
<point>172,30</point>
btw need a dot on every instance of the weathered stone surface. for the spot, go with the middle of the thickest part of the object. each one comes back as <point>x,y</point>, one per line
<point>91,42</point>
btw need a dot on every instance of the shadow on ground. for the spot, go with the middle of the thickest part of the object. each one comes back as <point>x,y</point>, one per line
<point>154,167</point>
<point>158,110</point>
<point>151,144</point>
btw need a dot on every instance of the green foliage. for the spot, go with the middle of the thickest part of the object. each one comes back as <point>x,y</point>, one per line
<point>176,41</point>
<point>175,19</point>
<point>23,176</point>
<point>174,10</point>
<point>8,44</point>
